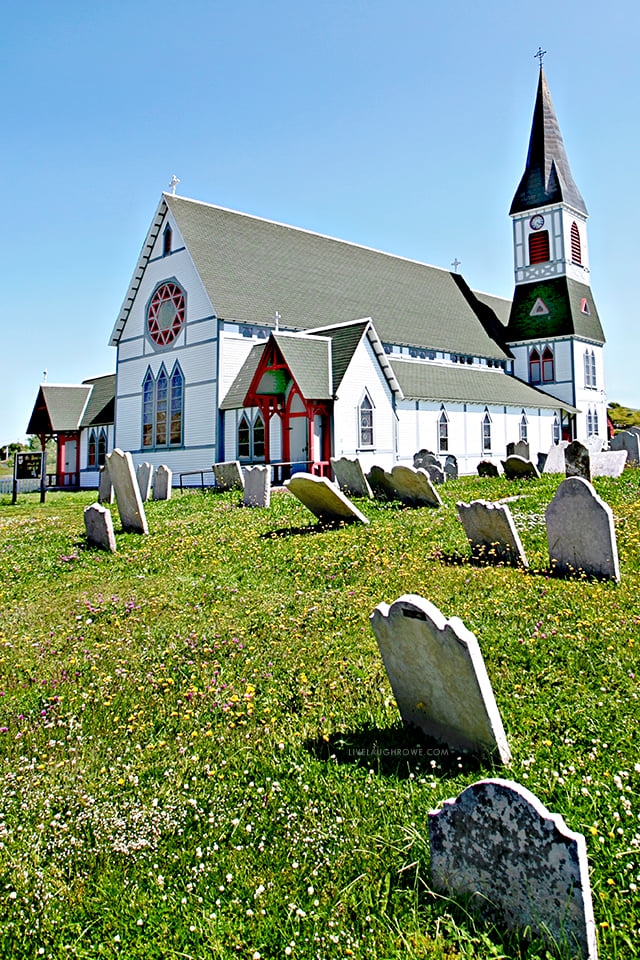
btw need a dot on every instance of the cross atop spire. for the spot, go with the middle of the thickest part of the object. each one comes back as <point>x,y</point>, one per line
<point>541,54</point>
<point>174,183</point>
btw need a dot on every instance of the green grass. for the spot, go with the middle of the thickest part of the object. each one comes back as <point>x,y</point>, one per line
<point>199,742</point>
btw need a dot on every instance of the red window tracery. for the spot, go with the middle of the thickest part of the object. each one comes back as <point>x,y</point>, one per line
<point>166,314</point>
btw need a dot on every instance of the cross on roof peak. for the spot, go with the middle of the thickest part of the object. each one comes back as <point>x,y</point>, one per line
<point>173,184</point>
<point>540,55</point>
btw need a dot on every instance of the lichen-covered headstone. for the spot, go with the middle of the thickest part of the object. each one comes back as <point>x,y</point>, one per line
<point>125,484</point>
<point>414,487</point>
<point>324,499</point>
<point>487,469</point>
<point>438,676</point>
<point>555,458</point>
<point>519,449</point>
<point>435,472</point>
<point>577,460</point>
<point>491,532</point>
<point>257,486</point>
<point>350,477</point>
<point>162,481</point>
<point>381,483</point>
<point>516,466</point>
<point>228,475</point>
<point>580,531</point>
<point>627,440</point>
<point>99,527</point>
<point>144,476</point>
<point>105,488</point>
<point>451,466</point>
<point>424,456</point>
<point>519,864</point>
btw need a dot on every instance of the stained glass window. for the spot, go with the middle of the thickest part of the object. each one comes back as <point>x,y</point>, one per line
<point>366,423</point>
<point>162,387</point>
<point>165,316</point>
<point>177,396</point>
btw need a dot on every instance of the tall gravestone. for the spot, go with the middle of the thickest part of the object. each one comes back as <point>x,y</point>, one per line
<point>350,477</point>
<point>519,449</point>
<point>577,461</point>
<point>491,532</point>
<point>627,440</point>
<point>451,466</point>
<point>125,484</point>
<point>144,476</point>
<point>414,487</point>
<point>162,480</point>
<point>438,676</point>
<point>487,469</point>
<point>228,475</point>
<point>105,488</point>
<point>99,527</point>
<point>555,458</point>
<point>513,861</point>
<point>324,499</point>
<point>381,483</point>
<point>257,486</point>
<point>580,531</point>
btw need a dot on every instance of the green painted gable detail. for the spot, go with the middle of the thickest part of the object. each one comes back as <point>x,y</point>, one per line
<point>308,361</point>
<point>563,298</point>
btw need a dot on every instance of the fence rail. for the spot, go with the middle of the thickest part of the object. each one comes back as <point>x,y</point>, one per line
<point>24,486</point>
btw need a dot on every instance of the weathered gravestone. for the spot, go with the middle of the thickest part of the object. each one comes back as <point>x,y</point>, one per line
<point>144,476</point>
<point>516,466</point>
<point>350,477</point>
<point>608,463</point>
<point>630,441</point>
<point>414,487</point>
<point>381,483</point>
<point>438,676</point>
<point>577,461</point>
<point>451,466</point>
<point>519,449</point>
<point>580,531</point>
<point>487,469</point>
<point>228,475</point>
<point>257,486</point>
<point>162,481</point>
<point>594,444</point>
<point>491,532</point>
<point>520,864</point>
<point>435,472</point>
<point>555,458</point>
<point>105,488</point>
<point>324,499</point>
<point>541,461</point>
<point>123,478</point>
<point>99,527</point>
<point>424,456</point>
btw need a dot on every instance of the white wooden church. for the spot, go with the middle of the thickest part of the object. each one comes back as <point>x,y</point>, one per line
<point>243,338</point>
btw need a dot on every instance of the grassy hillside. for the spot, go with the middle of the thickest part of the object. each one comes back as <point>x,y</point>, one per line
<point>202,757</point>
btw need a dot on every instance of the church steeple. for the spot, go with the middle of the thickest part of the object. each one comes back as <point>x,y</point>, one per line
<point>547,178</point>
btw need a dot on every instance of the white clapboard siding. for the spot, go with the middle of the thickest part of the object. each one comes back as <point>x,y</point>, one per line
<point>234,350</point>
<point>364,375</point>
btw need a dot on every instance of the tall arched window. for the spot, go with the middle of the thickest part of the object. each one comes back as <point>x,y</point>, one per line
<point>589,423</point>
<point>556,429</point>
<point>244,439</point>
<point>162,391</point>
<point>534,367</point>
<point>539,247</point>
<point>102,449</point>
<point>524,428</point>
<point>177,404</point>
<point>258,439</point>
<point>486,432</point>
<point>365,422</point>
<point>576,252</point>
<point>443,432</point>
<point>166,241</point>
<point>148,390</point>
<point>589,368</point>
<point>595,421</point>
<point>547,365</point>
<point>91,450</point>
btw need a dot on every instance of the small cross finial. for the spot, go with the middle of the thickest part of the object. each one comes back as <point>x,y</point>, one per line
<point>277,318</point>
<point>44,374</point>
<point>540,55</point>
<point>455,264</point>
<point>174,183</point>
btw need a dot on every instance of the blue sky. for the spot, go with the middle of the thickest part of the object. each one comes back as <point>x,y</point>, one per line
<point>400,125</point>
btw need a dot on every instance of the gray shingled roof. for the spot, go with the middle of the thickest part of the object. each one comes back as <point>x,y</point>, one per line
<point>344,342</point>
<point>59,408</point>
<point>252,267</point>
<point>308,359</point>
<point>101,406</point>
<point>462,384</point>
<point>547,177</point>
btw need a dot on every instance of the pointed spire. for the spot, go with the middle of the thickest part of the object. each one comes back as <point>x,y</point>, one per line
<point>547,177</point>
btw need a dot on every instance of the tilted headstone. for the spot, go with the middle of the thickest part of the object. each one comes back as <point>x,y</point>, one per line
<point>580,531</point>
<point>438,676</point>
<point>451,467</point>
<point>381,483</point>
<point>99,527</point>
<point>435,472</point>
<point>324,499</point>
<point>487,469</point>
<point>577,461</point>
<point>630,441</point>
<point>144,476</point>
<point>609,463</point>
<point>350,477</point>
<point>125,484</point>
<point>228,475</point>
<point>519,864</point>
<point>516,466</point>
<point>257,486</point>
<point>491,532</point>
<point>162,481</point>
<point>105,488</point>
<point>555,458</point>
<point>414,487</point>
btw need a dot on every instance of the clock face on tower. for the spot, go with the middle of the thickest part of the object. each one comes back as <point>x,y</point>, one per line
<point>165,315</point>
<point>537,222</point>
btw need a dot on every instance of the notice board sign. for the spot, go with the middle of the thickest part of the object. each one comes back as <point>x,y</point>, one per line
<point>27,466</point>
